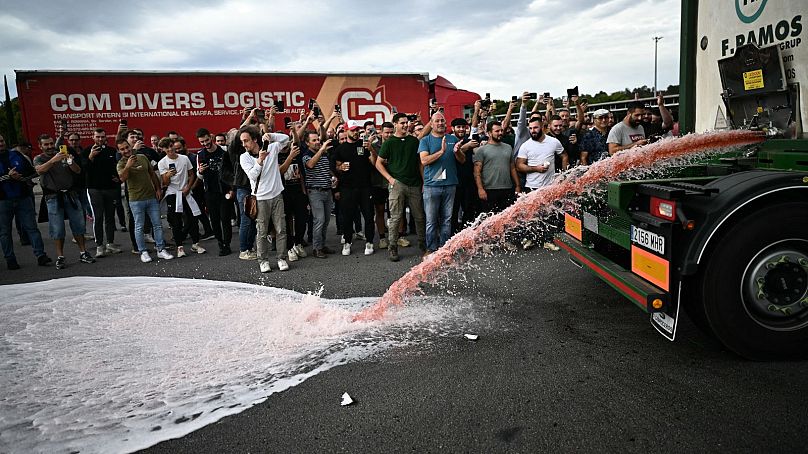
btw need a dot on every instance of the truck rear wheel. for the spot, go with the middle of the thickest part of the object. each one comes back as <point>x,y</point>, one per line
<point>754,288</point>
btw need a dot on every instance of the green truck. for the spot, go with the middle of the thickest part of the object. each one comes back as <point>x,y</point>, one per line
<point>724,240</point>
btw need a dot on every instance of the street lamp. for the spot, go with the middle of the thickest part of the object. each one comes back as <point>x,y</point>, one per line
<point>656,43</point>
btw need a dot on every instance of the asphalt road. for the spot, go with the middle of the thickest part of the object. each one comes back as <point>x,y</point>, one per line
<point>568,366</point>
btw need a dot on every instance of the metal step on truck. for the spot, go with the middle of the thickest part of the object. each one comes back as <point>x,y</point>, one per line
<point>725,240</point>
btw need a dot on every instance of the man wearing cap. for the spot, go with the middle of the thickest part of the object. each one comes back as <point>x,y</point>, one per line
<point>399,164</point>
<point>353,165</point>
<point>440,159</point>
<point>629,133</point>
<point>593,145</point>
<point>466,199</point>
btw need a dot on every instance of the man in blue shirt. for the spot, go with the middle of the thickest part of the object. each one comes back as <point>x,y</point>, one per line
<point>440,160</point>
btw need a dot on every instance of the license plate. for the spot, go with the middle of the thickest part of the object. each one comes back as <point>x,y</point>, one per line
<point>648,239</point>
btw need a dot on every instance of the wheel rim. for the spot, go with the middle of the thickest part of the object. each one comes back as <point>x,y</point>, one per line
<point>774,288</point>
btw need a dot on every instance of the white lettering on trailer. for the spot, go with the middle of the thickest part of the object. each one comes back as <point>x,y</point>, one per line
<point>78,102</point>
<point>648,239</point>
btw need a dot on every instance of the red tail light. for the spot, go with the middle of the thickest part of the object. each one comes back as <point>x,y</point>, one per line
<point>665,209</point>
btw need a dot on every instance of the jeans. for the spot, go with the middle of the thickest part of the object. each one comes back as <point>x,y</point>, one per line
<point>59,205</point>
<point>320,201</point>
<point>139,210</point>
<point>353,201</point>
<point>271,212</point>
<point>246,229</point>
<point>104,202</point>
<point>23,209</point>
<point>402,195</point>
<point>438,202</point>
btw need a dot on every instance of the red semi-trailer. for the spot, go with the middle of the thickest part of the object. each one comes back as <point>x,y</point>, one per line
<point>158,102</point>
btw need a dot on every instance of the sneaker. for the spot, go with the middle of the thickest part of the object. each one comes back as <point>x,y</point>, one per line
<point>328,250</point>
<point>60,262</point>
<point>198,249</point>
<point>342,240</point>
<point>85,257</point>
<point>165,255</point>
<point>89,236</point>
<point>247,255</point>
<point>135,252</point>
<point>43,260</point>
<point>510,247</point>
<point>12,264</point>
<point>282,265</point>
<point>551,247</point>
<point>264,266</point>
<point>100,251</point>
<point>368,248</point>
<point>527,244</point>
<point>112,248</point>
<point>393,251</point>
<point>383,243</point>
<point>181,252</point>
<point>403,242</point>
<point>300,251</point>
<point>233,223</point>
<point>346,249</point>
<point>319,254</point>
<point>149,238</point>
<point>207,236</point>
<point>145,257</point>
<point>224,250</point>
<point>123,229</point>
<point>359,236</point>
<point>292,255</point>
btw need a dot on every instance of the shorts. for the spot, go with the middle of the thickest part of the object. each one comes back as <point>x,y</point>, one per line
<point>70,206</point>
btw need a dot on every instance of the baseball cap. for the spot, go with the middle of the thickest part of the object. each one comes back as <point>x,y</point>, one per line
<point>599,113</point>
<point>459,122</point>
<point>353,124</point>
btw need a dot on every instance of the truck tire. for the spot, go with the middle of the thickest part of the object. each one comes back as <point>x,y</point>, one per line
<point>754,287</point>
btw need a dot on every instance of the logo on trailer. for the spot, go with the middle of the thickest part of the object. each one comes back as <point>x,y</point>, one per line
<point>749,10</point>
<point>362,105</point>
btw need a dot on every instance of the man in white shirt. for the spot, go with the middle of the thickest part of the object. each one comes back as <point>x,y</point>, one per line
<point>178,175</point>
<point>536,158</point>
<point>260,163</point>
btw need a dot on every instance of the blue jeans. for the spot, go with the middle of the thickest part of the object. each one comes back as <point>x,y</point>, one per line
<point>247,229</point>
<point>320,202</point>
<point>23,209</point>
<point>141,208</point>
<point>438,202</point>
<point>59,205</point>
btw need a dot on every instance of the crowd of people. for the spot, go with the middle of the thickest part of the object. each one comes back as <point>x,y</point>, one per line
<point>279,189</point>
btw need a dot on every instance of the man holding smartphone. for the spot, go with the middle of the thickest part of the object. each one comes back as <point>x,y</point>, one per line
<point>104,188</point>
<point>178,177</point>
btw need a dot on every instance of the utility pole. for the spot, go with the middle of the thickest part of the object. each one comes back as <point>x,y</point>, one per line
<point>656,43</point>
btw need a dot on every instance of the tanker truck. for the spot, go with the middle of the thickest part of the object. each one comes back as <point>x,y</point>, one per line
<point>725,240</point>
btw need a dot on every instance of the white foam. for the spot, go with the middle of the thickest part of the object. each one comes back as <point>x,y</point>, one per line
<point>118,364</point>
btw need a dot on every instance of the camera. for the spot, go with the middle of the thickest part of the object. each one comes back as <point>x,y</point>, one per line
<point>260,114</point>
<point>172,166</point>
<point>533,95</point>
<point>316,111</point>
<point>287,122</point>
<point>475,137</point>
<point>337,108</point>
<point>124,121</point>
<point>279,107</point>
<point>572,91</point>
<point>547,94</point>
<point>485,104</point>
<point>514,98</point>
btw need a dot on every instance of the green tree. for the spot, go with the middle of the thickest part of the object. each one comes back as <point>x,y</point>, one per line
<point>17,121</point>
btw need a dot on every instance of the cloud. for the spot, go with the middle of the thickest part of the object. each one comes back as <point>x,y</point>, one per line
<point>497,47</point>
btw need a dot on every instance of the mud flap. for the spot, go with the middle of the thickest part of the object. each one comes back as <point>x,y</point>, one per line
<point>666,322</point>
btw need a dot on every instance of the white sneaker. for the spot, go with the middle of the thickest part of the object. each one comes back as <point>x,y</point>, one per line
<point>403,242</point>
<point>359,236</point>
<point>346,249</point>
<point>383,244</point>
<point>144,257</point>
<point>527,244</point>
<point>282,265</point>
<point>100,251</point>
<point>247,255</point>
<point>300,251</point>
<point>292,255</point>
<point>181,252</point>
<point>198,249</point>
<point>341,239</point>
<point>112,249</point>
<point>368,248</point>
<point>149,238</point>
<point>165,255</point>
<point>264,266</point>
<point>551,247</point>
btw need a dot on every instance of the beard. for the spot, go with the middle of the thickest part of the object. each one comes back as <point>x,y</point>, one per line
<point>634,123</point>
<point>536,135</point>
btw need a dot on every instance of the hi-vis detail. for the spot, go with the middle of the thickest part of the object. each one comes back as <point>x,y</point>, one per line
<point>648,240</point>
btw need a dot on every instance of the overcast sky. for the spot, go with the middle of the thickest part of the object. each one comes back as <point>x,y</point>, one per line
<point>501,47</point>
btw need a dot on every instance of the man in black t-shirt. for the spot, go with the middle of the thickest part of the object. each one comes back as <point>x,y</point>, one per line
<point>295,200</point>
<point>218,198</point>
<point>353,167</point>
